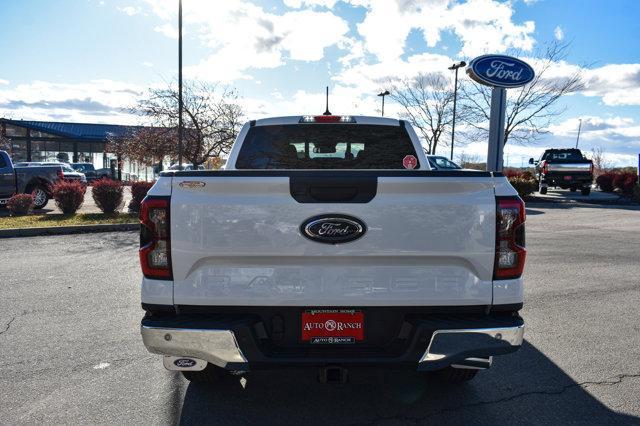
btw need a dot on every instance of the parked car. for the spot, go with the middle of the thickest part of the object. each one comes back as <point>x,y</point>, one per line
<point>68,172</point>
<point>87,168</point>
<point>328,243</point>
<point>438,162</point>
<point>31,179</point>
<point>564,168</point>
<point>187,167</point>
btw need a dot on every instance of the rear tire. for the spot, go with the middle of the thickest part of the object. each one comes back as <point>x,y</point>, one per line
<point>454,376</point>
<point>543,190</point>
<point>40,197</point>
<point>586,191</point>
<point>573,189</point>
<point>211,374</point>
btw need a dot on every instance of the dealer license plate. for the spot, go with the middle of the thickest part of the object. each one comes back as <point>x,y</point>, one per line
<point>332,326</point>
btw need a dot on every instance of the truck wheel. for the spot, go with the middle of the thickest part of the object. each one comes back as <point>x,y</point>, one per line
<point>40,197</point>
<point>543,190</point>
<point>452,375</point>
<point>573,189</point>
<point>586,190</point>
<point>211,374</point>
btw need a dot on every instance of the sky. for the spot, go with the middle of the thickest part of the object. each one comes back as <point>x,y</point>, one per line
<point>91,60</point>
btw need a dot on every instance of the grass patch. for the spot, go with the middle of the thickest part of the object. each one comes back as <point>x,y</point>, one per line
<point>52,220</point>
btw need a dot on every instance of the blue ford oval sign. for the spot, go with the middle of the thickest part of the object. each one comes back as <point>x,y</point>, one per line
<point>500,71</point>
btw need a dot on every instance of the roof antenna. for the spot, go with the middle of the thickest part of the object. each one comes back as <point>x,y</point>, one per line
<point>327,110</point>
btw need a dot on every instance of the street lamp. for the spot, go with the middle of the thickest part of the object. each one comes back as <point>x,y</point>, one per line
<point>578,138</point>
<point>383,94</point>
<point>455,96</point>
<point>180,84</point>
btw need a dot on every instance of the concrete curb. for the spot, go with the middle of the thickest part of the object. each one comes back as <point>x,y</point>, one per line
<point>66,230</point>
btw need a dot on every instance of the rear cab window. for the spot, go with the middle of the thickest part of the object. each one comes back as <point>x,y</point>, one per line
<point>566,154</point>
<point>326,146</point>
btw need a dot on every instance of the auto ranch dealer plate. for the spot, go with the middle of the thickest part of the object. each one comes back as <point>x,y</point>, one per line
<point>332,326</point>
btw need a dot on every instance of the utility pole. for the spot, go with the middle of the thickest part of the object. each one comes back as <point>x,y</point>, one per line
<point>383,94</point>
<point>578,138</point>
<point>455,96</point>
<point>180,84</point>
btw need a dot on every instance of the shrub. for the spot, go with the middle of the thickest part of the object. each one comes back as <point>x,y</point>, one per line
<point>528,174</point>
<point>108,195</point>
<point>138,192</point>
<point>605,182</point>
<point>69,195</point>
<point>525,187</point>
<point>625,182</point>
<point>20,204</point>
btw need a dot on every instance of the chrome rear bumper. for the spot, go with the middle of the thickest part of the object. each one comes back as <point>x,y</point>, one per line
<point>460,348</point>
<point>475,343</point>
<point>218,347</point>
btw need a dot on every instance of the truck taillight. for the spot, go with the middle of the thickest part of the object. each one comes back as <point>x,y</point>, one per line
<point>545,168</point>
<point>510,244</point>
<point>155,249</point>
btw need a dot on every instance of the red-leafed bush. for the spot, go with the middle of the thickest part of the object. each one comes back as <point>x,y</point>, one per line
<point>108,195</point>
<point>605,182</point>
<point>138,192</point>
<point>69,195</point>
<point>625,182</point>
<point>20,204</point>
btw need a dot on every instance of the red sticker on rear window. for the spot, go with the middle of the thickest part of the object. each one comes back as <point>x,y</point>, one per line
<point>409,162</point>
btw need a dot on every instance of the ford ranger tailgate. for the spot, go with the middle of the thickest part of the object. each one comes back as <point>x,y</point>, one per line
<point>428,239</point>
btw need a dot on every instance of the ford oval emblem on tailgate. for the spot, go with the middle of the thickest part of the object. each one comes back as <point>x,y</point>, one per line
<point>333,228</point>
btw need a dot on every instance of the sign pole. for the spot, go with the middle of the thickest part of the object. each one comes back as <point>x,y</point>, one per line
<point>500,72</point>
<point>496,129</point>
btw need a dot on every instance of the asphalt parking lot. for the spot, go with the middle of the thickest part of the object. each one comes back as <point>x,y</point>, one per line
<point>71,352</point>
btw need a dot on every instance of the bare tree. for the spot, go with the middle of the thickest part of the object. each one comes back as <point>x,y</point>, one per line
<point>427,101</point>
<point>5,144</point>
<point>145,145</point>
<point>530,109</point>
<point>470,161</point>
<point>212,118</point>
<point>600,163</point>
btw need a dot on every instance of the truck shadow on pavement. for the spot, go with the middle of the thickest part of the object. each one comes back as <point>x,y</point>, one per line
<point>525,387</point>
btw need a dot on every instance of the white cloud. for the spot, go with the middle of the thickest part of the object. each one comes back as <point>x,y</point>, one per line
<point>242,36</point>
<point>3,81</point>
<point>558,33</point>
<point>481,25</point>
<point>617,84</point>
<point>169,30</point>
<point>147,64</point>
<point>297,4</point>
<point>130,10</point>
<point>100,101</point>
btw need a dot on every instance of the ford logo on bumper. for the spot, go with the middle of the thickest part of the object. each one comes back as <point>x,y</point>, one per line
<point>333,228</point>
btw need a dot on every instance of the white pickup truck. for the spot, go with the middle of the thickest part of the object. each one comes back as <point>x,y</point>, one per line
<point>329,243</point>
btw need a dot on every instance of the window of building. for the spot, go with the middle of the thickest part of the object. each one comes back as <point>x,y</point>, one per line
<point>12,130</point>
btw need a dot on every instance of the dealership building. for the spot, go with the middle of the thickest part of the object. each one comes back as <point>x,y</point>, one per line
<point>51,141</point>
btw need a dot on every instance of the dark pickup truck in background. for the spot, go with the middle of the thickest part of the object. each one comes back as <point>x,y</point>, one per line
<point>564,168</point>
<point>34,180</point>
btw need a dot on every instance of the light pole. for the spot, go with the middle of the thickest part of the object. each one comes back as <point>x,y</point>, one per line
<point>578,138</point>
<point>383,94</point>
<point>180,84</point>
<point>455,96</point>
